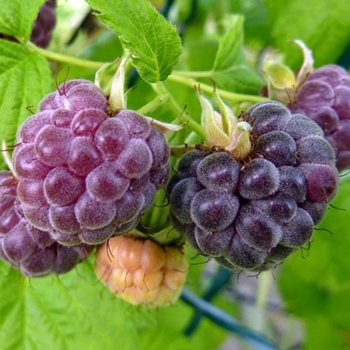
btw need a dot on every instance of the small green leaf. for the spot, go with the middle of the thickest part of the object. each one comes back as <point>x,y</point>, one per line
<point>25,78</point>
<point>152,41</point>
<point>230,69</point>
<point>17,17</point>
<point>240,79</point>
<point>230,50</point>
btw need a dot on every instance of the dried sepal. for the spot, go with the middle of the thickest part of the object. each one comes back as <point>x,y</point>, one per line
<point>240,141</point>
<point>308,63</point>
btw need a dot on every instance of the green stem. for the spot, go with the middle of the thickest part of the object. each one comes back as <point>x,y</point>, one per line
<point>263,289</point>
<point>193,74</point>
<point>181,116</point>
<point>159,213</point>
<point>230,96</point>
<point>54,56</point>
<point>152,105</point>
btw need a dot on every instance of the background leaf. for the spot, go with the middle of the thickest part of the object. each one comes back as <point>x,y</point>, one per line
<point>75,311</point>
<point>317,287</point>
<point>321,24</point>
<point>63,314</point>
<point>25,78</point>
<point>17,17</point>
<point>230,69</point>
<point>153,42</point>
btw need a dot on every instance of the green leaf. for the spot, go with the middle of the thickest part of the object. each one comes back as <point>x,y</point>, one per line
<point>230,69</point>
<point>75,311</point>
<point>240,79</point>
<point>69,312</point>
<point>322,335</point>
<point>316,283</point>
<point>320,24</point>
<point>25,78</point>
<point>152,41</point>
<point>230,50</point>
<point>17,17</point>
<point>168,333</point>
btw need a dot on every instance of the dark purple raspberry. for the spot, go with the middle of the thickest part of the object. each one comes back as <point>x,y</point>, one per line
<point>83,175</point>
<point>44,24</point>
<point>253,213</point>
<point>324,97</point>
<point>278,147</point>
<point>34,252</point>
<point>258,179</point>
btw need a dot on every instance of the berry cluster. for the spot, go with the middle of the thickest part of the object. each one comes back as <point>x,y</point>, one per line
<point>25,247</point>
<point>141,271</point>
<point>252,214</point>
<point>83,175</point>
<point>324,96</point>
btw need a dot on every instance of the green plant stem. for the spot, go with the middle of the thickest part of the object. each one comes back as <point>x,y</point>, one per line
<point>153,104</point>
<point>193,74</point>
<point>181,115</point>
<point>158,216</point>
<point>74,61</point>
<point>257,315</point>
<point>181,77</point>
<point>263,289</point>
<point>230,96</point>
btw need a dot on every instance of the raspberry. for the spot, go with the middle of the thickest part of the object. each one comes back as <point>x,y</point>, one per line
<point>252,213</point>
<point>83,175</point>
<point>141,271</point>
<point>25,247</point>
<point>43,25</point>
<point>324,97</point>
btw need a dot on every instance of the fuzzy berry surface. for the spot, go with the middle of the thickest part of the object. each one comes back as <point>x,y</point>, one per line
<point>324,96</point>
<point>252,214</point>
<point>25,247</point>
<point>141,271</point>
<point>85,173</point>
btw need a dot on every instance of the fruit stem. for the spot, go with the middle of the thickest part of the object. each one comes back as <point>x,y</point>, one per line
<point>263,289</point>
<point>256,317</point>
<point>158,215</point>
<point>75,61</point>
<point>179,150</point>
<point>230,96</point>
<point>181,116</point>
<point>193,74</point>
<point>158,101</point>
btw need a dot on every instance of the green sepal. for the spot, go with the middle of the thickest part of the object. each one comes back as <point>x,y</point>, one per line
<point>240,141</point>
<point>213,125</point>
<point>280,79</point>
